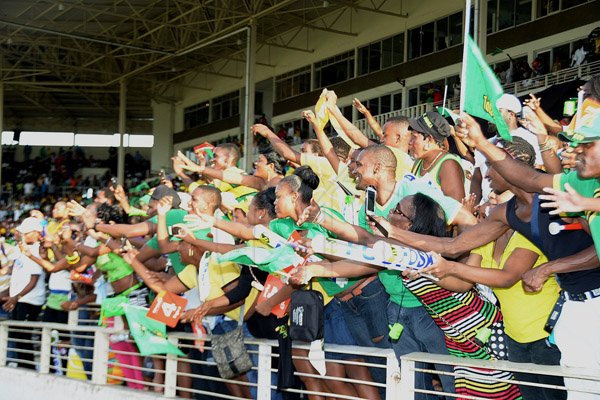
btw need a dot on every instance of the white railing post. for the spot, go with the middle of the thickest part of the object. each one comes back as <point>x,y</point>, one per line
<point>100,360</point>
<point>407,379</point>
<point>171,372</point>
<point>392,378</point>
<point>73,319</point>
<point>264,372</point>
<point>45,350</point>
<point>3,343</point>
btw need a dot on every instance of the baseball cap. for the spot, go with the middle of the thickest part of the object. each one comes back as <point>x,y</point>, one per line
<point>30,224</point>
<point>162,191</point>
<point>509,102</point>
<point>431,123</point>
<point>587,128</point>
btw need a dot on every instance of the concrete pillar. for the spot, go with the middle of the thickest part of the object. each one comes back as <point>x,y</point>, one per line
<point>249,95</point>
<point>122,130</point>
<point>162,128</point>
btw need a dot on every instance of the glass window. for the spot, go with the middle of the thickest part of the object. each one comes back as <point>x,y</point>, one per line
<point>385,104</point>
<point>427,38</point>
<point>560,57</point>
<point>397,101</point>
<point>571,3</point>
<point>442,40</point>
<point>523,11</point>
<point>413,97</point>
<point>546,7</point>
<point>455,32</point>
<point>292,83</point>
<point>506,14</point>
<point>492,16</point>
<point>196,115</point>
<point>335,69</point>
<point>226,106</point>
<point>363,60</point>
<point>414,43</point>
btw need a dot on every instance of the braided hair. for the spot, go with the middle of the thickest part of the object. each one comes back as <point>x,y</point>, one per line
<point>519,149</point>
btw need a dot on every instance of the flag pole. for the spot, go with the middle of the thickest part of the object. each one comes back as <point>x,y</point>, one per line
<point>445,96</point>
<point>463,80</point>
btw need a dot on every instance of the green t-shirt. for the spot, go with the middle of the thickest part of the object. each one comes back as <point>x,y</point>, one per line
<point>390,279</point>
<point>588,188</point>
<point>284,227</point>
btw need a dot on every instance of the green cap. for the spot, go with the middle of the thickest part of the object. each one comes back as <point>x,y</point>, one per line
<point>144,199</point>
<point>587,128</point>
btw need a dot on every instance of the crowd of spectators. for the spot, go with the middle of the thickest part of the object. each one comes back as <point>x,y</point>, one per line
<point>477,201</point>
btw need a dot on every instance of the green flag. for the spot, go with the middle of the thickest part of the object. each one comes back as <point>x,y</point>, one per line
<point>481,89</point>
<point>150,335</point>
<point>269,260</point>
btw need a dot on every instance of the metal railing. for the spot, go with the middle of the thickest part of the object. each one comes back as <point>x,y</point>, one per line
<point>175,381</point>
<point>586,381</point>
<point>520,88</point>
<point>98,355</point>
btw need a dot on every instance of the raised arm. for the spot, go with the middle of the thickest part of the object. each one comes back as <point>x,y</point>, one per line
<point>515,172</point>
<point>348,127</point>
<point>232,177</point>
<point>279,145</point>
<point>324,142</point>
<point>553,127</point>
<point>370,120</point>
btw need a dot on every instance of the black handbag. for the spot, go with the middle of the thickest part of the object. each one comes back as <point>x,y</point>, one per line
<point>306,315</point>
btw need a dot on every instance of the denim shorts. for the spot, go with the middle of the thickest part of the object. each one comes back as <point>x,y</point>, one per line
<point>336,331</point>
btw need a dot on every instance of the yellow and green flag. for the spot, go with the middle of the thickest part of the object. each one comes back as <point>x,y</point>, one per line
<point>481,89</point>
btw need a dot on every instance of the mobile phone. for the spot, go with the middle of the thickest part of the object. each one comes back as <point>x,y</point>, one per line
<point>161,174</point>
<point>173,230</point>
<point>371,194</point>
<point>114,182</point>
<point>570,107</point>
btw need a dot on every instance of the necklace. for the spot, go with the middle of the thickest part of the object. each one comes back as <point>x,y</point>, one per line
<point>431,164</point>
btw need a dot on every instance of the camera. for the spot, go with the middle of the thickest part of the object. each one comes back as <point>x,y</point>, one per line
<point>173,230</point>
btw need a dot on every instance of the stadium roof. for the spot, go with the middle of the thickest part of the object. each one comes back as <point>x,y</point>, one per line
<point>65,58</point>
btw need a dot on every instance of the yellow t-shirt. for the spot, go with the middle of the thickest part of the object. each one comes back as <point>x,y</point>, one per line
<point>525,314</point>
<point>404,162</point>
<point>219,275</point>
<point>328,194</point>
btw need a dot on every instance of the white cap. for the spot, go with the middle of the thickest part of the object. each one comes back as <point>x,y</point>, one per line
<point>509,102</point>
<point>30,224</point>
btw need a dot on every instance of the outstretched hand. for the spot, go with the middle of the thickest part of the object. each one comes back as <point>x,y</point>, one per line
<point>568,201</point>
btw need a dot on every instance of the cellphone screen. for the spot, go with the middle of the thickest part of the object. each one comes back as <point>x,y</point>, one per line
<point>370,201</point>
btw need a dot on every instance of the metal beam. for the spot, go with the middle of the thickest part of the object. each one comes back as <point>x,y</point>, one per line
<point>330,30</point>
<point>84,38</point>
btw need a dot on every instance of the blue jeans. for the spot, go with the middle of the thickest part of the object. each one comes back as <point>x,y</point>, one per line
<point>365,315</point>
<point>420,334</point>
<point>538,352</point>
<point>336,330</point>
<point>88,341</point>
<point>366,318</point>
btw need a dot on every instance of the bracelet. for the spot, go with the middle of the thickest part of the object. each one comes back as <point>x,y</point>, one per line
<point>547,145</point>
<point>108,241</point>
<point>71,257</point>
<point>74,260</point>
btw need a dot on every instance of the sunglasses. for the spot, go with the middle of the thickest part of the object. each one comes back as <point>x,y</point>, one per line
<point>399,212</point>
